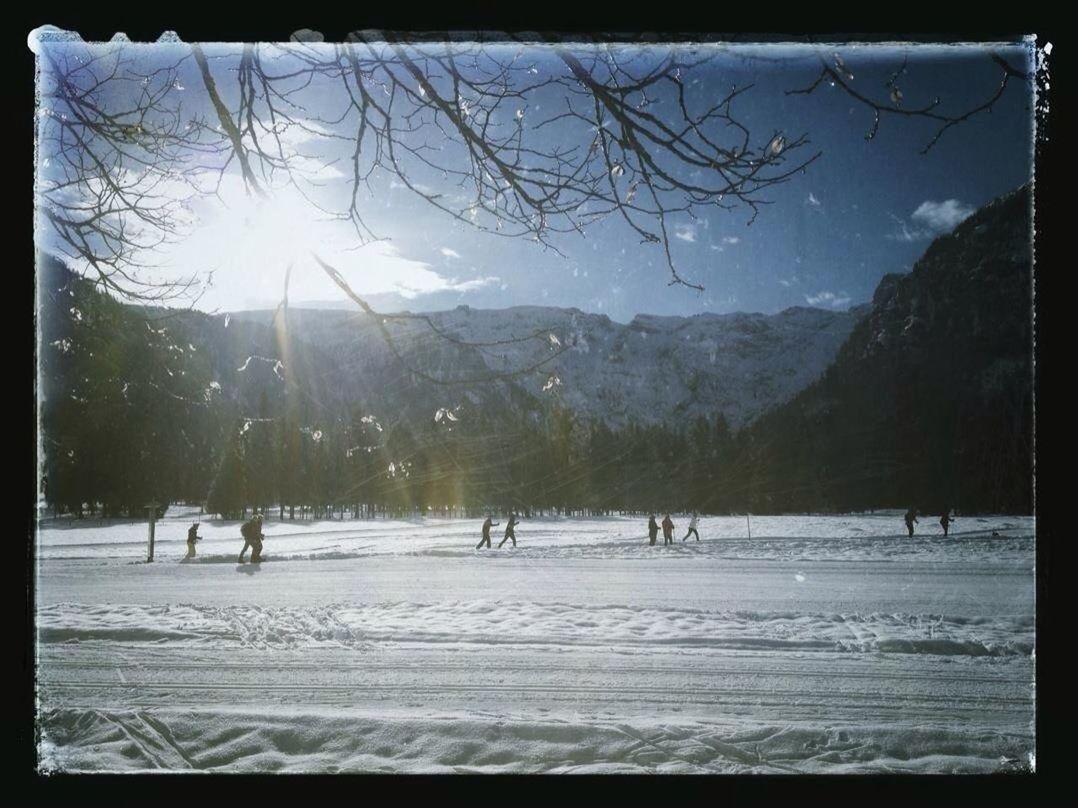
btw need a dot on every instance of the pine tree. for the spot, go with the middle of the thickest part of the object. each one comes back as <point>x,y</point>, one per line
<point>228,495</point>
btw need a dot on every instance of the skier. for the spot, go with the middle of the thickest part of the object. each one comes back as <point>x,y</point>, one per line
<point>252,537</point>
<point>668,531</point>
<point>487,525</point>
<point>192,537</point>
<point>653,529</point>
<point>256,545</point>
<point>911,519</point>
<point>945,520</point>
<point>509,533</point>
<point>692,527</point>
<point>246,531</point>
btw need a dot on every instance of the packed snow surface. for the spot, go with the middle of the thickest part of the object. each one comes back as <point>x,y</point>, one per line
<point>820,644</point>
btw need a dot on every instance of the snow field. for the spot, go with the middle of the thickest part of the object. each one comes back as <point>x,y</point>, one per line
<point>831,644</point>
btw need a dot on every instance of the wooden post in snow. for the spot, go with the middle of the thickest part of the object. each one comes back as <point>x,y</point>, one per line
<point>152,508</point>
<point>749,525</point>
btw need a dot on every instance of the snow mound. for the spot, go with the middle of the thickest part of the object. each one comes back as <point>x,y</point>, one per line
<point>241,741</point>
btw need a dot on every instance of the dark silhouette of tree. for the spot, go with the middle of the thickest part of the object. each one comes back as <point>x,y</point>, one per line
<point>261,463</point>
<point>228,495</point>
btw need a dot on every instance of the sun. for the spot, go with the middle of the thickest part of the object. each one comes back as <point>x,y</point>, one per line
<point>271,231</point>
<point>248,242</point>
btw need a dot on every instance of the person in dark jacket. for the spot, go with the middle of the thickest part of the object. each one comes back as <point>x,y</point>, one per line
<point>256,545</point>
<point>653,529</point>
<point>509,532</point>
<point>252,537</point>
<point>192,537</point>
<point>668,530</point>
<point>246,531</point>
<point>945,520</point>
<point>911,520</point>
<point>487,525</point>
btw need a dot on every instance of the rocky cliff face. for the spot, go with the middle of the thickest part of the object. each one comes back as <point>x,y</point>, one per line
<point>653,370</point>
<point>930,399</point>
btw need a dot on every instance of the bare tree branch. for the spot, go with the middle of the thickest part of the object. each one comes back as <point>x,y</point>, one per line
<point>835,74</point>
<point>517,146</point>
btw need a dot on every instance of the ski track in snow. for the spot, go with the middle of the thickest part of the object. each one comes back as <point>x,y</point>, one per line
<point>831,644</point>
<point>559,624</point>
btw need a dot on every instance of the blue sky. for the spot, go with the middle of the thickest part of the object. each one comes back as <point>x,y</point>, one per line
<point>865,208</point>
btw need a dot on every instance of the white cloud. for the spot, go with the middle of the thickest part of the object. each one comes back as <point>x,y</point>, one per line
<point>942,217</point>
<point>835,301</point>
<point>907,233</point>
<point>813,201</point>
<point>380,268</point>
<point>457,285</point>
<point>685,232</point>
<point>931,219</point>
<point>731,239</point>
<point>448,253</point>
<point>305,146</point>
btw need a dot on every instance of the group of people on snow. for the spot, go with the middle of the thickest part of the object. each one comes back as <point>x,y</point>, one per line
<point>667,526</point>
<point>653,530</point>
<point>945,520</point>
<point>510,532</point>
<point>668,529</point>
<point>251,531</point>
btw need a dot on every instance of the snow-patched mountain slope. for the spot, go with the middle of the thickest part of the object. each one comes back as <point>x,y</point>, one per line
<point>655,369</point>
<point>930,401</point>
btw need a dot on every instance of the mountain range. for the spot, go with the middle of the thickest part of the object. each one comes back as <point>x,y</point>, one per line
<point>526,359</point>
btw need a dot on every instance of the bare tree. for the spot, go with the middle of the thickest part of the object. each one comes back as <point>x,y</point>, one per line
<point>117,170</point>
<point>517,171</point>
<point>515,140</point>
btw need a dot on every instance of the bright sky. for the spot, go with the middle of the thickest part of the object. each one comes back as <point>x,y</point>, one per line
<point>864,209</point>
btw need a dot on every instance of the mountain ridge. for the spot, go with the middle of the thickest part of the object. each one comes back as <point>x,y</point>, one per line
<point>738,363</point>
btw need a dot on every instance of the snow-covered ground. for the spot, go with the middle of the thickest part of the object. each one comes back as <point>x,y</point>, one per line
<point>821,644</point>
